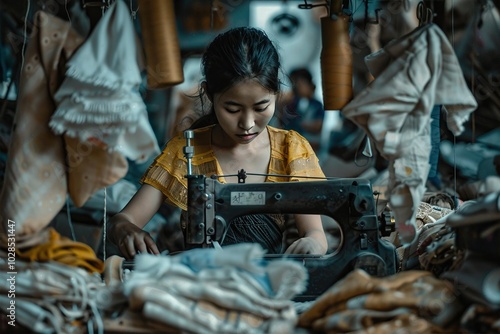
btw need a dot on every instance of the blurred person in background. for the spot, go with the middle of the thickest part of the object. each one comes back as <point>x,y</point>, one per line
<point>305,113</point>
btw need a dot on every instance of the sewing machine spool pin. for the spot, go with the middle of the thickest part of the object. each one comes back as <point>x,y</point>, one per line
<point>189,150</point>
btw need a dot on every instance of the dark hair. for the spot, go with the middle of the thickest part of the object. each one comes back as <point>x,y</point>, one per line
<point>239,54</point>
<point>301,73</point>
<point>235,55</point>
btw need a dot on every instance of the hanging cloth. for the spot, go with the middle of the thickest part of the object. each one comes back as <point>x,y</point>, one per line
<point>34,190</point>
<point>99,99</point>
<point>412,74</point>
<point>43,167</point>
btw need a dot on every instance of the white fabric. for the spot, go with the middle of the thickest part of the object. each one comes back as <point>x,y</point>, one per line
<point>51,297</point>
<point>412,74</point>
<point>99,99</point>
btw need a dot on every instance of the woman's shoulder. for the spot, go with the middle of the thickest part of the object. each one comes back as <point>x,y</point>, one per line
<point>286,136</point>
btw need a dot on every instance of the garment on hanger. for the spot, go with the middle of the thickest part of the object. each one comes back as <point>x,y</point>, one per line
<point>412,74</point>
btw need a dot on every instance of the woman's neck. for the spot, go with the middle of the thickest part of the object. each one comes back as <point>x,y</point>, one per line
<point>253,157</point>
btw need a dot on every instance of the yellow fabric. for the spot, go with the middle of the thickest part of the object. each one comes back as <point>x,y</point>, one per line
<point>291,154</point>
<point>63,250</point>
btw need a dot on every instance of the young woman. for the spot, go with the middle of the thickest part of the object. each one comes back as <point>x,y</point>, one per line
<point>241,80</point>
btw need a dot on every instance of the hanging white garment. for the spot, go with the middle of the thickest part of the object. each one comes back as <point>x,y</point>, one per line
<point>412,74</point>
<point>99,99</point>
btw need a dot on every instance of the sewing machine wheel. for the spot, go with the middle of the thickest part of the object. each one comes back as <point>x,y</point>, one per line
<point>371,263</point>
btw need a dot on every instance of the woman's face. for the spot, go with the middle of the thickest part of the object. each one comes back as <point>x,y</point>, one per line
<point>244,110</point>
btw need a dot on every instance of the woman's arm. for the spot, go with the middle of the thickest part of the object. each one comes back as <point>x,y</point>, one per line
<point>312,236</point>
<point>126,226</point>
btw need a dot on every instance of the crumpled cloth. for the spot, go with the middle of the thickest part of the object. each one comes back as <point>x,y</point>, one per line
<point>433,249</point>
<point>228,290</point>
<point>407,300</point>
<point>436,250</point>
<point>99,99</point>
<point>63,250</point>
<point>412,74</point>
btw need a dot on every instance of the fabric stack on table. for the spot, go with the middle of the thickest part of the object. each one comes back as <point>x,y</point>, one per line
<point>229,290</point>
<point>50,297</point>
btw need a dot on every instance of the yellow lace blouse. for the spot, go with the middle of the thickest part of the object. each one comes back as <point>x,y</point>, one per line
<point>291,156</point>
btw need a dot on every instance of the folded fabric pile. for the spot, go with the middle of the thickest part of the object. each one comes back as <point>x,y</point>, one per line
<point>228,290</point>
<point>408,302</point>
<point>49,297</point>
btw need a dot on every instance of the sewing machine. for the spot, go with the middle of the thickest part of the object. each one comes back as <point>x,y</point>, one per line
<point>349,201</point>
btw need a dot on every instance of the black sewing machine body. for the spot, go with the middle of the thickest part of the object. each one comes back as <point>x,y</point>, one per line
<point>350,202</point>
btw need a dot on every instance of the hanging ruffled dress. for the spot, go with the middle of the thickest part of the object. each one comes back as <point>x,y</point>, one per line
<point>99,100</point>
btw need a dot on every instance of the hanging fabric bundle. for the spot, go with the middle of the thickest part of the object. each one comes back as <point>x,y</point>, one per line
<point>161,44</point>
<point>99,100</point>
<point>34,189</point>
<point>412,74</point>
<point>336,58</point>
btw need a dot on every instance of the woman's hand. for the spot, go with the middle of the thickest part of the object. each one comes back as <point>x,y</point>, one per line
<point>306,245</point>
<point>313,238</point>
<point>131,240</point>
<point>126,226</point>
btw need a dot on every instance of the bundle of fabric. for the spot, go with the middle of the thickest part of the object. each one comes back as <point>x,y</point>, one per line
<point>50,297</point>
<point>228,290</point>
<point>431,232</point>
<point>437,251</point>
<point>434,248</point>
<point>49,246</point>
<point>408,302</point>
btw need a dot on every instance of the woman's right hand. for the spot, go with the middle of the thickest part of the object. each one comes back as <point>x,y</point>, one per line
<point>131,240</point>
<point>126,226</point>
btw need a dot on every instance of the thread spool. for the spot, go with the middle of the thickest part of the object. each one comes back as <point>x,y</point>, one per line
<point>161,43</point>
<point>336,62</point>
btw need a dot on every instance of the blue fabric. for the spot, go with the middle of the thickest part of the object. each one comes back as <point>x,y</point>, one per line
<point>435,141</point>
<point>201,259</point>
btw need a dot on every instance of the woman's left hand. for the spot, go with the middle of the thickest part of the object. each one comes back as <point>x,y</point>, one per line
<point>306,245</point>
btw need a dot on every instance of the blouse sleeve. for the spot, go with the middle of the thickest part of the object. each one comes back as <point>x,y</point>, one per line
<point>167,173</point>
